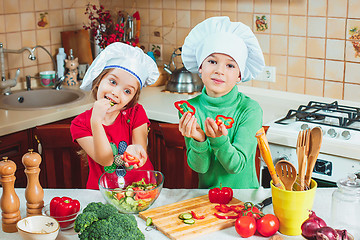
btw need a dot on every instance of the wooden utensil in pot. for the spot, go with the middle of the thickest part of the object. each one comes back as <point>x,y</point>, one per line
<point>266,155</point>
<point>316,135</point>
<point>287,173</point>
<point>302,150</point>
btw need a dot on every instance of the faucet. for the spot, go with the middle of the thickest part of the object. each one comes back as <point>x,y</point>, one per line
<point>58,81</point>
<point>6,85</point>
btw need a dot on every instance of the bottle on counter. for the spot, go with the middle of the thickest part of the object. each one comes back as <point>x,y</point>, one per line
<point>60,60</point>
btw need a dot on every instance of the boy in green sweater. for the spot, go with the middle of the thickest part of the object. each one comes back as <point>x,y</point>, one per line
<point>222,148</point>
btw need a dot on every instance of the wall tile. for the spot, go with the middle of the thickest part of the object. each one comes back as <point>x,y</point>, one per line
<point>298,7</point>
<point>197,5</point>
<point>212,5</point>
<point>209,14</point>
<point>296,66</point>
<point>11,6</point>
<point>245,6</point>
<point>296,85</point>
<point>280,84</point>
<point>337,8</point>
<point>152,37</point>
<point>352,71</point>
<point>41,5</point>
<point>155,4</point>
<point>27,21</point>
<point>314,87</point>
<point>155,17</point>
<point>335,49</point>
<point>351,92</point>
<point>317,7</point>
<point>334,70</point>
<point>43,37</point>
<point>260,84</point>
<point>315,48</point>
<point>57,4</point>
<point>262,6</point>
<point>333,90</point>
<point>183,4</point>
<point>55,35</point>
<point>146,4</point>
<point>27,6</point>
<point>350,54</point>
<point>169,18</point>
<point>12,23</point>
<point>168,4</point>
<point>2,26</point>
<point>280,62</point>
<point>183,19</point>
<point>70,17</point>
<point>316,27</point>
<point>279,24</point>
<point>264,41</point>
<point>196,17</point>
<point>315,68</point>
<point>169,37</point>
<point>231,15</point>
<point>279,7</point>
<point>297,46</point>
<point>14,61</point>
<point>278,44</point>
<point>354,9</point>
<point>28,38</point>
<point>229,5</point>
<point>297,25</point>
<point>352,23</point>
<point>336,28</point>
<point>245,18</point>
<point>181,34</point>
<point>56,18</point>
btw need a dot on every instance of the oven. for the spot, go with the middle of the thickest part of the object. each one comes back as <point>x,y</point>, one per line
<point>340,150</point>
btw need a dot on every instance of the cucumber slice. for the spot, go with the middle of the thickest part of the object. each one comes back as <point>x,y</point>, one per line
<point>148,221</point>
<point>189,221</point>
<point>129,201</point>
<point>184,216</point>
<point>130,192</point>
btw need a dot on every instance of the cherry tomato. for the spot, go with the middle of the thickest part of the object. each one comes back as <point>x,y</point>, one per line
<point>253,213</point>
<point>268,225</point>
<point>245,226</point>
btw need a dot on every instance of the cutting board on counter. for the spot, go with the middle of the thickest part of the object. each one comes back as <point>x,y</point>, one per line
<point>166,220</point>
<point>79,42</point>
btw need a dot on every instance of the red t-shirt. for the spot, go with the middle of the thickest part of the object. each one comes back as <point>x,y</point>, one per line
<point>120,130</point>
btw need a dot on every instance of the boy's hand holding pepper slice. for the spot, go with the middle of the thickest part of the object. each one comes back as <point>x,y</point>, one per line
<point>227,121</point>
<point>63,208</point>
<point>222,195</point>
<point>184,106</point>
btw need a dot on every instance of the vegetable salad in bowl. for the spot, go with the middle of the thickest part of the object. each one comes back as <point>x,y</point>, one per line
<point>133,193</point>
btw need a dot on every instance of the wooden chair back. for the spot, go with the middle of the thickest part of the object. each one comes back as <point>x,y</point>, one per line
<point>60,159</point>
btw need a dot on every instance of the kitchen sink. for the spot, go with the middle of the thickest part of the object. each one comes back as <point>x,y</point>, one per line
<point>38,99</point>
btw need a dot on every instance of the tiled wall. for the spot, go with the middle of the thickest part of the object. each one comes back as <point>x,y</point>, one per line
<point>19,28</point>
<point>307,40</point>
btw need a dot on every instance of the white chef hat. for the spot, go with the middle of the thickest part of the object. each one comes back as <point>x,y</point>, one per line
<point>220,35</point>
<point>126,57</point>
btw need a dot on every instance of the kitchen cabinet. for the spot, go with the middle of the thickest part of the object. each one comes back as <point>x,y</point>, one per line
<point>14,146</point>
<point>167,152</point>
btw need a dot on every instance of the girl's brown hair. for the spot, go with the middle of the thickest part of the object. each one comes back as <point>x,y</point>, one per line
<point>97,80</point>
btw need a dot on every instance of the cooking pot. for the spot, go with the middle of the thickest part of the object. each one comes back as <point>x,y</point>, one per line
<point>181,80</point>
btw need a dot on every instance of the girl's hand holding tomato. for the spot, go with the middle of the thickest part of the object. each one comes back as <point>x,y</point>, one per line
<point>189,127</point>
<point>135,151</point>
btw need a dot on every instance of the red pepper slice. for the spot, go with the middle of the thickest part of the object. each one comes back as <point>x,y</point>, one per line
<point>237,208</point>
<point>227,121</point>
<point>64,209</point>
<point>197,217</point>
<point>226,216</point>
<point>184,106</point>
<point>220,195</point>
<point>223,208</point>
<point>130,159</point>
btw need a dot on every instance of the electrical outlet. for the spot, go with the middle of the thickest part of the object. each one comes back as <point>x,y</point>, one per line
<point>267,75</point>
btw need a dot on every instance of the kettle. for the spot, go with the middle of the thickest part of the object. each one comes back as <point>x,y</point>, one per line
<point>181,80</point>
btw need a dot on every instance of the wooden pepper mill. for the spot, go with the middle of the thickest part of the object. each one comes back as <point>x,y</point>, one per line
<point>10,203</point>
<point>34,193</point>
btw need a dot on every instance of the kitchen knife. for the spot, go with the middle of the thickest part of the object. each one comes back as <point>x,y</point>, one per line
<point>264,203</point>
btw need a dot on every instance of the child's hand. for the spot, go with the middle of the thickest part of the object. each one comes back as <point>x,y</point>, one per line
<point>100,109</point>
<point>189,127</point>
<point>138,151</point>
<point>213,130</point>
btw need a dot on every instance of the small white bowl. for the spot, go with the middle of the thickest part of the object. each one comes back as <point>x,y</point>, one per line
<point>38,227</point>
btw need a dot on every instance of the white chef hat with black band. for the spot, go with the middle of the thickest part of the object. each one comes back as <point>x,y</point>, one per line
<point>126,57</point>
<point>220,35</point>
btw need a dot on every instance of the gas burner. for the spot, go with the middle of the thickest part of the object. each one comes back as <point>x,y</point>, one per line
<point>307,116</point>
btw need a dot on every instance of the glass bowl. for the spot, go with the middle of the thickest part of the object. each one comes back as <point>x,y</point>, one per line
<point>65,222</point>
<point>133,193</point>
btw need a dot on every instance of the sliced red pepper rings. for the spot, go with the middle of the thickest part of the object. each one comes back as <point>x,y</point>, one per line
<point>64,208</point>
<point>197,217</point>
<point>130,159</point>
<point>184,106</point>
<point>227,121</point>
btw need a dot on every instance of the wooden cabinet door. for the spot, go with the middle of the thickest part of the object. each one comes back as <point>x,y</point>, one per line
<point>14,146</point>
<point>167,152</point>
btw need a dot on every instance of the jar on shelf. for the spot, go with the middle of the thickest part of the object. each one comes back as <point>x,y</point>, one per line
<point>345,208</point>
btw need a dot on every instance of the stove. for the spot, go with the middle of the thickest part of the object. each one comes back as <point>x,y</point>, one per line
<point>340,149</point>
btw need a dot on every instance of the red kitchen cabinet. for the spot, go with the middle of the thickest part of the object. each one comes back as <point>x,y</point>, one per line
<point>167,152</point>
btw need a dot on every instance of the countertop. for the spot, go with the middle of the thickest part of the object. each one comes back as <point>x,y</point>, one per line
<point>159,106</point>
<point>322,204</point>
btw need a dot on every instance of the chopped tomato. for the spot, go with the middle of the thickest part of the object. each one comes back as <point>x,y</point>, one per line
<point>130,159</point>
<point>120,195</point>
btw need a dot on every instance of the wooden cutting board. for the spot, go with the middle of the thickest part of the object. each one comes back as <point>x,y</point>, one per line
<point>166,220</point>
<point>79,42</point>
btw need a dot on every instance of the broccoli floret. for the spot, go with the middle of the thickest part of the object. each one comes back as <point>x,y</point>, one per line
<point>93,207</point>
<point>84,220</point>
<point>103,221</point>
<point>106,211</point>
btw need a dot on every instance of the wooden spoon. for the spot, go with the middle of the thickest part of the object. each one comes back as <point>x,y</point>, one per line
<point>287,173</point>
<point>316,135</point>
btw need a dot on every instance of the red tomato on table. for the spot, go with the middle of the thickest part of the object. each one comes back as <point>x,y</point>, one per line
<point>245,226</point>
<point>268,225</point>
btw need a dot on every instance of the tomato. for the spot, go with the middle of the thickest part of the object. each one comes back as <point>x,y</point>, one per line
<point>245,226</point>
<point>120,195</point>
<point>268,225</point>
<point>130,159</point>
<point>247,211</point>
<point>146,194</point>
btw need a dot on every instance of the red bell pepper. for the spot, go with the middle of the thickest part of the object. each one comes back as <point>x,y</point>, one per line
<point>130,159</point>
<point>63,209</point>
<point>222,195</point>
<point>227,121</point>
<point>184,106</point>
<point>197,217</point>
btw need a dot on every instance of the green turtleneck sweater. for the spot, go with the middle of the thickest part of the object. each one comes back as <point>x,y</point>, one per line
<point>229,160</point>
